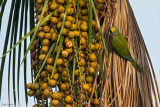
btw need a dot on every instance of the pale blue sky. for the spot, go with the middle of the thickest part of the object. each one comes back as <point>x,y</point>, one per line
<point>147,13</point>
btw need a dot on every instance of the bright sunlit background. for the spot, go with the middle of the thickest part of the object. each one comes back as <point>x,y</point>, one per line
<point>148,18</point>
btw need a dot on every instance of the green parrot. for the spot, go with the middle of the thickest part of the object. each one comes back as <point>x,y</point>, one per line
<point>120,45</point>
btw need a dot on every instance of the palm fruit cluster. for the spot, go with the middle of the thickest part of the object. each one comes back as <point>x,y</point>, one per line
<point>58,88</point>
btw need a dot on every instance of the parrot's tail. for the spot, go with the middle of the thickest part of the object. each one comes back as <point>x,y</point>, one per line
<point>137,67</point>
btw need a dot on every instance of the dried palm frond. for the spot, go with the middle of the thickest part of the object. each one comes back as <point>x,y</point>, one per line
<point>124,86</point>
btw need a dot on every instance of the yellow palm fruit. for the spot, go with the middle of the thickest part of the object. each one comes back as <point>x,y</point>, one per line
<point>69,44</point>
<point>55,103</point>
<point>50,68</point>
<point>84,34</point>
<point>89,79</point>
<point>77,72</point>
<point>92,57</point>
<point>92,47</point>
<point>82,55</point>
<point>82,41</point>
<point>38,17</point>
<point>45,42</point>
<point>67,24</point>
<point>82,62</point>
<point>85,18</point>
<point>84,12</point>
<point>46,29</point>
<point>41,35</point>
<point>68,105</point>
<point>53,6</point>
<point>55,76</point>
<point>94,23</point>
<point>97,46</point>
<point>51,31</point>
<point>56,13</point>
<point>91,70</point>
<point>60,68</point>
<point>85,87</point>
<point>50,60</point>
<point>83,68</point>
<point>67,92</point>
<point>64,54</point>
<point>84,23</point>
<point>93,64</point>
<point>44,49</point>
<point>54,20</point>
<point>31,92</point>
<point>35,86</point>
<point>68,99</point>
<point>40,29</point>
<point>70,11</point>
<point>68,85</point>
<point>70,1</point>
<point>29,85</point>
<point>38,92</point>
<point>44,74</point>
<point>90,90</point>
<point>44,86</point>
<point>61,9</point>
<point>69,50</point>
<point>47,35</point>
<point>64,73</point>
<point>36,105</point>
<point>83,27</point>
<point>84,97</point>
<point>46,93</point>
<point>60,1</point>
<point>71,34</point>
<point>82,3</point>
<point>54,37</point>
<point>62,15</point>
<point>59,19</point>
<point>73,27</point>
<point>64,79</point>
<point>52,83</point>
<point>57,96</point>
<point>66,39</point>
<point>71,5</point>
<point>46,9</point>
<point>76,33</point>
<point>42,57</point>
<point>40,1</point>
<point>59,61</point>
<point>95,101</point>
<point>69,18</point>
<point>63,86</point>
<point>65,31</point>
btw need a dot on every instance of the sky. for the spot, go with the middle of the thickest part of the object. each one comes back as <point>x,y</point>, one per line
<point>148,18</point>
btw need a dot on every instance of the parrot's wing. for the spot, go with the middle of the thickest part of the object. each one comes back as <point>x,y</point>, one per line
<point>119,45</point>
<point>124,42</point>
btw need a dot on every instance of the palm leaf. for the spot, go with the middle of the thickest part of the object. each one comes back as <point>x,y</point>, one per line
<point>100,32</point>
<point>2,11</point>
<point>36,31</point>
<point>6,44</point>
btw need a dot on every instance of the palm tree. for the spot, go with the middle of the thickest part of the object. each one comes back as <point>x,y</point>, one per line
<point>121,86</point>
